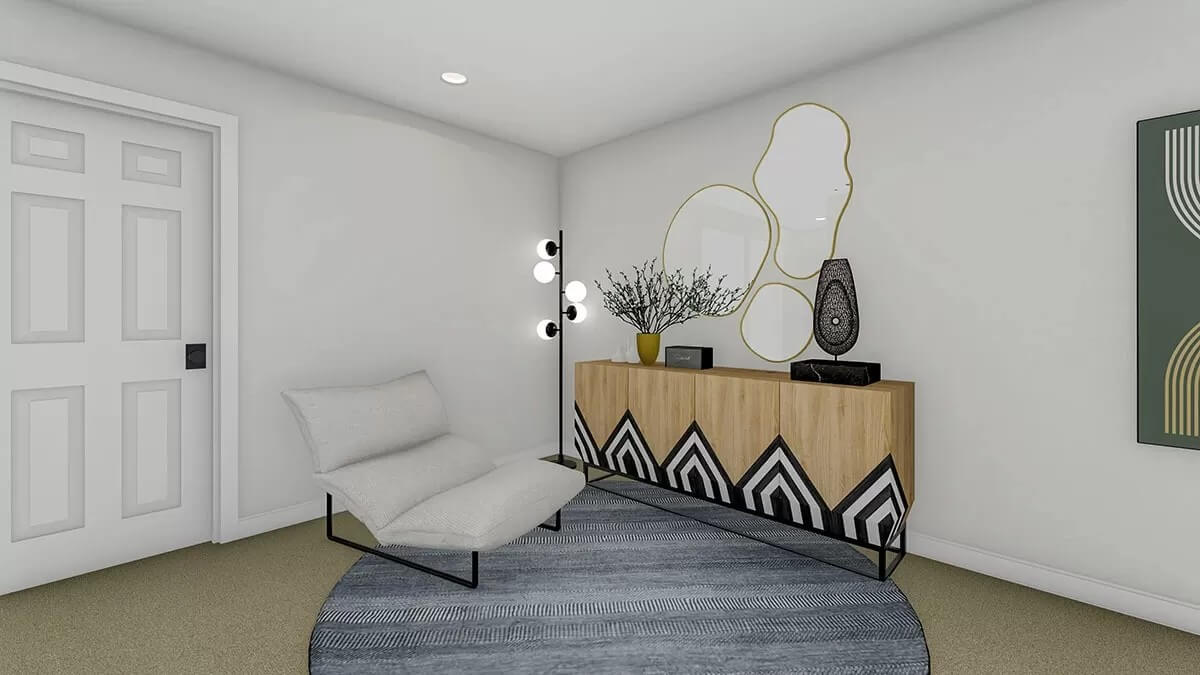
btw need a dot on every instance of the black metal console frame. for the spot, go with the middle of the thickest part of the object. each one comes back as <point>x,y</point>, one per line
<point>473,582</point>
<point>884,569</point>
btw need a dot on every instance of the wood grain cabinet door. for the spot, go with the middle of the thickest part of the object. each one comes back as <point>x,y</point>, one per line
<point>740,417</point>
<point>840,434</point>
<point>664,404</point>
<point>602,394</point>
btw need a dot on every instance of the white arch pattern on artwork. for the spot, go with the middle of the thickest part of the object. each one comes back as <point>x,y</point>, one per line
<point>1182,175</point>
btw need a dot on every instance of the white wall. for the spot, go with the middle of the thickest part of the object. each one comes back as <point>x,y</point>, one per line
<point>373,243</point>
<point>992,237</point>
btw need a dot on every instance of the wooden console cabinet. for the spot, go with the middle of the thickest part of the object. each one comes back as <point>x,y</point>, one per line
<point>829,458</point>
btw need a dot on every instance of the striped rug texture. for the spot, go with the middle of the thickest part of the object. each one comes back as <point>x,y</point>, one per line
<point>624,588</point>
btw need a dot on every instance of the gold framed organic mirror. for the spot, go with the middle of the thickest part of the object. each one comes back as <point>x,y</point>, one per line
<point>722,227</point>
<point>803,178</point>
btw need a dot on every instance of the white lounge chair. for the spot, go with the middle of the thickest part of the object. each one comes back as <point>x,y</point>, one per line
<point>387,453</point>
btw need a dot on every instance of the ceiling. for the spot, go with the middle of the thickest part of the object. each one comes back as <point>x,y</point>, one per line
<point>553,75</point>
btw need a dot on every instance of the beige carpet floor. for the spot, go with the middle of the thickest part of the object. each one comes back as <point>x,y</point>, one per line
<point>248,607</point>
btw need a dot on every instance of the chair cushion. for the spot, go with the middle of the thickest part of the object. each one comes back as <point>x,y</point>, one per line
<point>343,425</point>
<point>487,512</point>
<point>379,489</point>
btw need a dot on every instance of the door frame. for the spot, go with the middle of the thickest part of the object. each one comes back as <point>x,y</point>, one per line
<point>223,360</point>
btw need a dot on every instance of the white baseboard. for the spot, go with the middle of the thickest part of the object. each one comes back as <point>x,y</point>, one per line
<point>275,519</point>
<point>1148,606</point>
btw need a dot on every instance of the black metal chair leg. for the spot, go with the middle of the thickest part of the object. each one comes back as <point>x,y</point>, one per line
<point>557,522</point>
<point>473,582</point>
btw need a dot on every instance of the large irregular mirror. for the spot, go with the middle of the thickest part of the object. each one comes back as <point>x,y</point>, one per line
<point>778,324</point>
<point>804,180</point>
<point>723,228</point>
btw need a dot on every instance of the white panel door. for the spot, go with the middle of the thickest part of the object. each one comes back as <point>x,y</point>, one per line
<point>106,245</point>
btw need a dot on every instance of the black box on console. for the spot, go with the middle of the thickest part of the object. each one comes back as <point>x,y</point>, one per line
<point>682,356</point>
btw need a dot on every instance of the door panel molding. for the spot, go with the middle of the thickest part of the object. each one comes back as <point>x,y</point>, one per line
<point>150,447</point>
<point>151,273</point>
<point>223,354</point>
<point>47,269</point>
<point>47,148</point>
<point>47,450</point>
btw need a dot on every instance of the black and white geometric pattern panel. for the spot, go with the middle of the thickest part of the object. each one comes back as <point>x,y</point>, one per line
<point>874,510</point>
<point>585,443</point>
<point>627,451</point>
<point>776,485</point>
<point>692,467</point>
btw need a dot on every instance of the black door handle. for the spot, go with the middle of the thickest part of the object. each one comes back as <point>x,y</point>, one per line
<point>196,356</point>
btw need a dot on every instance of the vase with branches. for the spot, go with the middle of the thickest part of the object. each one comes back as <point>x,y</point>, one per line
<point>652,300</point>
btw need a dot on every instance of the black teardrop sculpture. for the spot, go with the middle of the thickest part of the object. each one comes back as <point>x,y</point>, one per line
<point>835,321</point>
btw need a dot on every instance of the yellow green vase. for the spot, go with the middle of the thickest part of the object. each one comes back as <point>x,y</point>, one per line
<point>647,344</point>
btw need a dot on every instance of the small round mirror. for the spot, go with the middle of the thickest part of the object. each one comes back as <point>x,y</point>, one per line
<point>777,325</point>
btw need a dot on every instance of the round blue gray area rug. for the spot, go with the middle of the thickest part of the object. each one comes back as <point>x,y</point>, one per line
<point>625,588</point>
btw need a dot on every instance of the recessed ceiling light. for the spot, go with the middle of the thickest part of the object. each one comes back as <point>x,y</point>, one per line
<point>454,78</point>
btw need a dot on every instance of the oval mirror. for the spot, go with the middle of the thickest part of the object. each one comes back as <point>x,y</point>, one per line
<point>722,227</point>
<point>804,180</point>
<point>777,325</point>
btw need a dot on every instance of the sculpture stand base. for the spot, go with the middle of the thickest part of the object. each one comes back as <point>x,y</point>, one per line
<point>857,373</point>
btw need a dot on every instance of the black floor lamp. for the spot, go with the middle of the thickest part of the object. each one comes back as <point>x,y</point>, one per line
<point>570,295</point>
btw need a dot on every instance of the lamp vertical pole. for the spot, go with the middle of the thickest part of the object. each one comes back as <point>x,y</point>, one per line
<point>562,337</point>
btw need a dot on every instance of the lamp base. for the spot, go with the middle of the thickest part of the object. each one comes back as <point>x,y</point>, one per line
<point>828,371</point>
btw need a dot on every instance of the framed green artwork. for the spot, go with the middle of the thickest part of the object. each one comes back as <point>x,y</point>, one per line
<point>1168,280</point>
